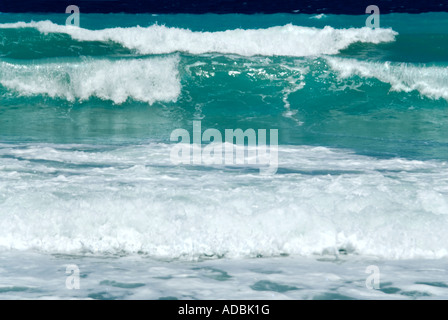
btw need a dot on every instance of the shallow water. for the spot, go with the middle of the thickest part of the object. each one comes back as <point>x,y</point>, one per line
<point>37,276</point>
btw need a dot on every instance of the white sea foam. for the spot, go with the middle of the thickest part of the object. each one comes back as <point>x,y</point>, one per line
<point>430,81</point>
<point>288,40</point>
<point>131,199</point>
<point>319,16</point>
<point>146,80</point>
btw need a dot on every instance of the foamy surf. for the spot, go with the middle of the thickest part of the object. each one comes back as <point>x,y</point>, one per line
<point>429,81</point>
<point>287,40</point>
<point>59,199</point>
<point>145,80</point>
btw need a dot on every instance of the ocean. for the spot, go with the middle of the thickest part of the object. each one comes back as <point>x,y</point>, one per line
<point>92,204</point>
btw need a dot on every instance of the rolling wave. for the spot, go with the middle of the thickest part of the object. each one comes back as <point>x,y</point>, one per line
<point>429,81</point>
<point>145,80</point>
<point>287,40</point>
<point>163,78</point>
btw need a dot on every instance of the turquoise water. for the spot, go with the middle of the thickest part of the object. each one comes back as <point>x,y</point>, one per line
<point>86,116</point>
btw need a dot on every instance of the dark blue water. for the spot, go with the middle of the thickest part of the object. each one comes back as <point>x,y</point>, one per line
<point>353,7</point>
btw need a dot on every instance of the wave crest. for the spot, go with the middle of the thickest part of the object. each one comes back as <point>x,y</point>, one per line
<point>145,80</point>
<point>431,82</point>
<point>288,40</point>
